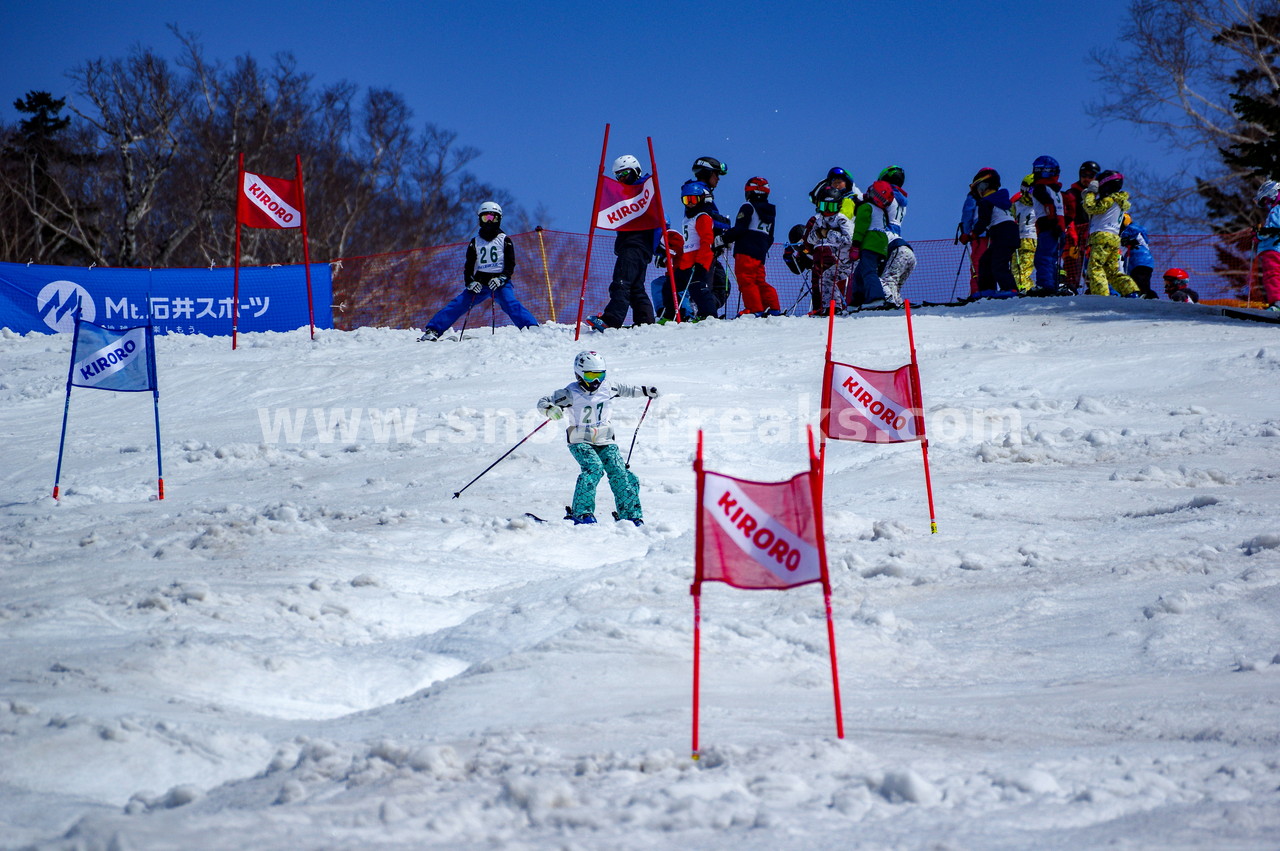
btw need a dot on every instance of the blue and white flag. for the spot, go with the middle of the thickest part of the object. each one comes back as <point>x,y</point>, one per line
<point>113,360</point>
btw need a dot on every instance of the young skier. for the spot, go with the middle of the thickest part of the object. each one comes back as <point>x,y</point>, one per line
<point>633,250</point>
<point>491,258</point>
<point>1024,262</point>
<point>752,237</point>
<point>1105,202</point>
<point>996,221</point>
<point>1138,261</point>
<point>693,266</point>
<point>1051,224</point>
<point>901,260</point>
<point>872,230</point>
<point>828,237</point>
<point>1175,287</point>
<point>1268,247</point>
<point>1077,236</point>
<point>589,402</point>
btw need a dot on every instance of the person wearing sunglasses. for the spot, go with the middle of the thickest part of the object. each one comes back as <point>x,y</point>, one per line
<point>491,258</point>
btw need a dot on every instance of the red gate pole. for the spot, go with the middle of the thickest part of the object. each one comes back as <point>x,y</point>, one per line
<point>591,233</point>
<point>235,295</point>
<point>696,590</point>
<point>662,213</point>
<point>815,477</point>
<point>917,400</point>
<point>306,250</point>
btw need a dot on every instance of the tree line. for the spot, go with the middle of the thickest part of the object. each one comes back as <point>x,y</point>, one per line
<point>137,167</point>
<point>1202,76</point>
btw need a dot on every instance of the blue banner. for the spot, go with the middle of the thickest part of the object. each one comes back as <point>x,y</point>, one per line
<point>176,301</point>
<point>113,360</point>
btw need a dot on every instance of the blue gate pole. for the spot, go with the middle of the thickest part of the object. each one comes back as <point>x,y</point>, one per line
<point>66,406</point>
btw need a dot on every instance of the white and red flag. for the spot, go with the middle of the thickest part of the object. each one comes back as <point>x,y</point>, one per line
<point>628,207</point>
<point>269,202</point>
<point>757,534</point>
<point>870,405</point>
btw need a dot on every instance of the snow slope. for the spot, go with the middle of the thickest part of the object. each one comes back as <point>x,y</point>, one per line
<point>309,644</point>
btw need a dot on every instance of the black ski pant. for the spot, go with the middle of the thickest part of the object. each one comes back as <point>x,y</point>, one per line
<point>627,290</point>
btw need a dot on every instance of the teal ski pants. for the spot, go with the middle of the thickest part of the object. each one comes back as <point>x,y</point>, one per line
<point>595,462</point>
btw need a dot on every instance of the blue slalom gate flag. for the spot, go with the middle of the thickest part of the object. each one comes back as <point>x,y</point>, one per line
<point>105,359</point>
<point>123,360</point>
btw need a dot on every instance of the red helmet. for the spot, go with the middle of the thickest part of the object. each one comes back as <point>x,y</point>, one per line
<point>1175,278</point>
<point>880,193</point>
<point>757,185</point>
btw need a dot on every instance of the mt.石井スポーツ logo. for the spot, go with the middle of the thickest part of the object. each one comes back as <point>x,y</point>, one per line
<point>57,304</point>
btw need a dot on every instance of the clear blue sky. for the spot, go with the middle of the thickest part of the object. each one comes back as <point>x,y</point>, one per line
<point>776,89</point>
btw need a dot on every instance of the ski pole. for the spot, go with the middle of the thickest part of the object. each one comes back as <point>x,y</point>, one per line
<point>803,293</point>
<point>465,320</point>
<point>504,455</point>
<point>963,255</point>
<point>637,431</point>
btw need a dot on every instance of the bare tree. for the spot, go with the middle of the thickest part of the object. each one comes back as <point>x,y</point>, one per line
<point>150,179</point>
<point>1173,71</point>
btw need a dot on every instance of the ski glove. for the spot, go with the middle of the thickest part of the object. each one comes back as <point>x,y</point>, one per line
<point>550,410</point>
<point>498,282</point>
<point>1092,187</point>
<point>651,392</point>
<point>475,286</point>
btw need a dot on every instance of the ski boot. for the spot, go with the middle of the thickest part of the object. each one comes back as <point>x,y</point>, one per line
<point>597,323</point>
<point>428,336</point>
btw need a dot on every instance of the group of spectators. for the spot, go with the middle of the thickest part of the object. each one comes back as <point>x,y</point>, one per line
<point>1040,239</point>
<point>1036,241</point>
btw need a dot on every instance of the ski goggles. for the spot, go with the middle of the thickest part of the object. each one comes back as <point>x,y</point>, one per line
<point>593,377</point>
<point>693,200</point>
<point>489,217</point>
<point>627,175</point>
<point>828,206</point>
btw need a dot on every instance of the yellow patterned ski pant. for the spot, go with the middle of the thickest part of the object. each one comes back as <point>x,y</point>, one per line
<point>1024,263</point>
<point>1104,266</point>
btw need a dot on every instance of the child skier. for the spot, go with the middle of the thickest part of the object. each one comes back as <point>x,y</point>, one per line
<point>1138,261</point>
<point>491,258</point>
<point>829,235</point>
<point>634,249</point>
<point>697,253</point>
<point>901,259</point>
<point>1051,224</point>
<point>752,237</point>
<point>589,401</point>
<point>872,231</point>
<point>1268,247</point>
<point>1175,287</point>
<point>996,221</point>
<point>1105,202</point>
<point>1024,262</point>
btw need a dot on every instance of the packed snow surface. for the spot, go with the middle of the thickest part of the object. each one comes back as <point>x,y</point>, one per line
<point>309,644</point>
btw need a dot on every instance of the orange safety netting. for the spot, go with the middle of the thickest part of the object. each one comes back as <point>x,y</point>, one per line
<point>405,289</point>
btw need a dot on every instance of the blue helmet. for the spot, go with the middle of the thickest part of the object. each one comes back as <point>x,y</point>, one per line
<point>694,192</point>
<point>1045,166</point>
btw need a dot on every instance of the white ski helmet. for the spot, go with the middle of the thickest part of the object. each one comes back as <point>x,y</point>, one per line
<point>1267,192</point>
<point>490,207</point>
<point>589,367</point>
<point>626,163</point>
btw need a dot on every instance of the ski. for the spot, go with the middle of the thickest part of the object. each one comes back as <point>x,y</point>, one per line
<point>534,517</point>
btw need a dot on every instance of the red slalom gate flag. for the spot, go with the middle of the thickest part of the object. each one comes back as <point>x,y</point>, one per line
<point>870,405</point>
<point>758,534</point>
<point>269,202</point>
<point>628,207</point>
